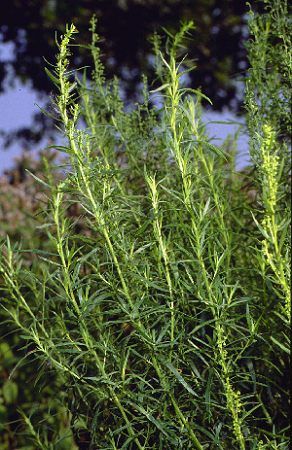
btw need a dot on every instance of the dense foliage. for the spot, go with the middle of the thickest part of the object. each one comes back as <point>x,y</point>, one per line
<point>154,303</point>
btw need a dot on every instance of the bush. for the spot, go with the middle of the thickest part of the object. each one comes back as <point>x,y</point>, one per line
<point>163,309</point>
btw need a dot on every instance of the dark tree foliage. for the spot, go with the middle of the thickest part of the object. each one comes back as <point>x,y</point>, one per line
<point>126,26</point>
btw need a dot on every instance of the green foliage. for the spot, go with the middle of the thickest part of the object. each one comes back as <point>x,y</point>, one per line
<point>268,101</point>
<point>268,86</point>
<point>24,400</point>
<point>162,306</point>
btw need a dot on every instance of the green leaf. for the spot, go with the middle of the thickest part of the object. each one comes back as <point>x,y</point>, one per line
<point>10,391</point>
<point>150,417</point>
<point>180,378</point>
<point>52,77</point>
<point>282,346</point>
<point>214,149</point>
<point>160,88</point>
<point>5,352</point>
<point>38,179</point>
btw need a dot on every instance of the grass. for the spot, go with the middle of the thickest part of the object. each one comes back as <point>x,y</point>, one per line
<point>162,307</point>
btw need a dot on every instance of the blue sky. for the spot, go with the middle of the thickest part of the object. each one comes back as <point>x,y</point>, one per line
<point>17,106</point>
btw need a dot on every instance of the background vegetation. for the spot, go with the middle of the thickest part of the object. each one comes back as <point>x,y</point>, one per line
<point>145,282</point>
